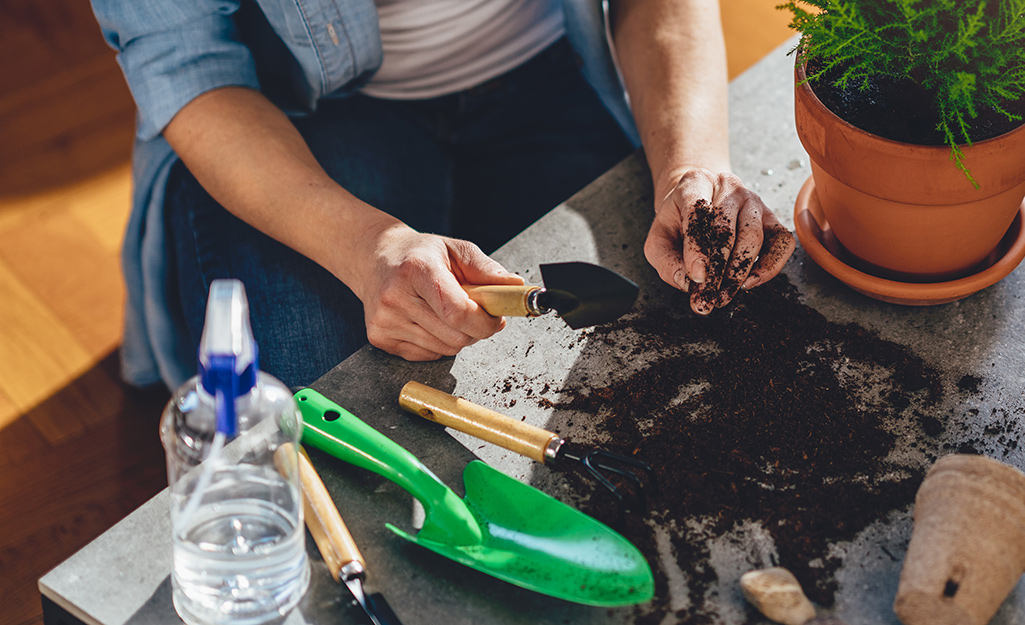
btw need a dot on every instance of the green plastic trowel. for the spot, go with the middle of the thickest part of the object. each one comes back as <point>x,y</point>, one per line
<point>502,527</point>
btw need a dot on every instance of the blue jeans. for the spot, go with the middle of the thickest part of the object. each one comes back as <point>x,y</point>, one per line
<point>482,165</point>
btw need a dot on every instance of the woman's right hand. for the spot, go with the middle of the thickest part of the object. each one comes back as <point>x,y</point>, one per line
<point>411,288</point>
<point>253,161</point>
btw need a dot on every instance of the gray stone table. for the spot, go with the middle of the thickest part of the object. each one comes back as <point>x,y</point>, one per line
<point>123,576</point>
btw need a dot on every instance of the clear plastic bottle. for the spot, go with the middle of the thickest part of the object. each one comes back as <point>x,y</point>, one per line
<point>239,551</point>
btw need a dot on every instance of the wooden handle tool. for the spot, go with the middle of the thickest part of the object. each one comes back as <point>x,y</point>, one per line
<point>621,475</point>
<point>333,539</point>
<point>457,413</point>
<point>582,294</point>
<point>506,300</point>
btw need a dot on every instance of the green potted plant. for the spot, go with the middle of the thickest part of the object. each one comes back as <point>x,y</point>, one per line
<point>911,112</point>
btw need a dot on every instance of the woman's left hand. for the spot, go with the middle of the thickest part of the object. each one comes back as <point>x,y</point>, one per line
<point>712,237</point>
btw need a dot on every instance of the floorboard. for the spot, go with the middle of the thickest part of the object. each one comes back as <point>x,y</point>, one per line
<point>57,497</point>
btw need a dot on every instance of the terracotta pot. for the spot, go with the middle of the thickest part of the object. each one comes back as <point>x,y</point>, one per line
<point>967,548</point>
<point>905,211</point>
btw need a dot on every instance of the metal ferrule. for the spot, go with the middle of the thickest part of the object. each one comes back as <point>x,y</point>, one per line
<point>352,570</point>
<point>533,306</point>
<point>552,449</point>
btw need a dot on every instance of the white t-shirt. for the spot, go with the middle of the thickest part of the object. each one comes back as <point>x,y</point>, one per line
<point>437,47</point>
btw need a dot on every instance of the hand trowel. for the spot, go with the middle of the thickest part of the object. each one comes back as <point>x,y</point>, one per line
<point>582,294</point>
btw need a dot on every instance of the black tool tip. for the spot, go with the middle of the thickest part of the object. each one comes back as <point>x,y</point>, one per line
<point>379,606</point>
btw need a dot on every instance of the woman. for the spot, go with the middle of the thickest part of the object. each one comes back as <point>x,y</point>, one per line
<point>348,159</point>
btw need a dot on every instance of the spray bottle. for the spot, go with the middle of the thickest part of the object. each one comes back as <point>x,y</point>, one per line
<point>239,552</point>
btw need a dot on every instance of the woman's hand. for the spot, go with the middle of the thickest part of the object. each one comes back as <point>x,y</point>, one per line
<point>252,160</point>
<point>712,236</point>
<point>413,298</point>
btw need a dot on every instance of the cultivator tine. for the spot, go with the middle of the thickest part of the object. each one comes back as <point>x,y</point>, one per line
<point>600,464</point>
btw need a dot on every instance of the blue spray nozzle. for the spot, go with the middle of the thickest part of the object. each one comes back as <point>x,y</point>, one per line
<point>222,381</point>
<point>227,352</point>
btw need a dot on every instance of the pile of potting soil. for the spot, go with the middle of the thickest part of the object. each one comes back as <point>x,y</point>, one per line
<point>762,412</point>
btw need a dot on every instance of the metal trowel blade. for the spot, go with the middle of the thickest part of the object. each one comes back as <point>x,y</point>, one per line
<point>584,294</point>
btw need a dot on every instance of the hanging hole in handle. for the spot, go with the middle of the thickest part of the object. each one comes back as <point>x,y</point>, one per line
<point>331,415</point>
<point>954,581</point>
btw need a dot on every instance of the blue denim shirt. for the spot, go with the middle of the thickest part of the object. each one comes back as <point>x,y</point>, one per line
<point>171,51</point>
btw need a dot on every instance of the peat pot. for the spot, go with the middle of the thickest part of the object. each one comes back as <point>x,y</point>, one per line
<point>967,549</point>
<point>903,211</point>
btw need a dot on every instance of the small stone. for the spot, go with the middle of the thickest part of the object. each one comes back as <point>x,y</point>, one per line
<point>767,172</point>
<point>797,163</point>
<point>777,594</point>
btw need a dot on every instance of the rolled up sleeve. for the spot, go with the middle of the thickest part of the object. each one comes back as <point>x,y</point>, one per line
<point>172,51</point>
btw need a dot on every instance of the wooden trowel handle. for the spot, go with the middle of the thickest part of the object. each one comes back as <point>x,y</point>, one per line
<point>325,523</point>
<point>493,427</point>
<point>503,300</point>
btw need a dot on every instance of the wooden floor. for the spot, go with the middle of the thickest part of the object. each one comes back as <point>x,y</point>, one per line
<point>78,450</point>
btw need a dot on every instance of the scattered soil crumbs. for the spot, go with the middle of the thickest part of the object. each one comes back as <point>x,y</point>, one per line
<point>969,384</point>
<point>762,413</point>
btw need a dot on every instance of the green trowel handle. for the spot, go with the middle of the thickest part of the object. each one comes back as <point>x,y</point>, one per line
<point>334,430</point>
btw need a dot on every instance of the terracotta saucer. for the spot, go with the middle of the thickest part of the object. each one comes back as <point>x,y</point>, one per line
<point>819,242</point>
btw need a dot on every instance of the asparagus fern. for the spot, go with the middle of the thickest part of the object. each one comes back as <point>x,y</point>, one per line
<point>969,54</point>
